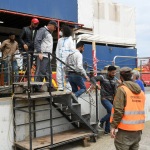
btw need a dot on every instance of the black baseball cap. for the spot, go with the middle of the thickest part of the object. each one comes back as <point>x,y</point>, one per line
<point>53,23</point>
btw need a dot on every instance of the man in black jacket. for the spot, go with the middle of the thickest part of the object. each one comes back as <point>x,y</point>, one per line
<point>108,85</point>
<point>27,37</point>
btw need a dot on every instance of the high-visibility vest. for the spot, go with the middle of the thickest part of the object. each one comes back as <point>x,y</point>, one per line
<point>134,115</point>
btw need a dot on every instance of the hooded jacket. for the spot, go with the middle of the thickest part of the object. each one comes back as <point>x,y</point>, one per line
<point>43,41</point>
<point>120,101</point>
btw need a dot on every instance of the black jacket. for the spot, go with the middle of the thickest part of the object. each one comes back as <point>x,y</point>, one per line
<point>108,86</point>
<point>27,37</point>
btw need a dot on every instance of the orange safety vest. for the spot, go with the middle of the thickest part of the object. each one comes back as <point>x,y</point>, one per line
<point>134,115</point>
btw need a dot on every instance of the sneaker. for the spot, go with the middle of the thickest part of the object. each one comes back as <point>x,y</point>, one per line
<point>101,125</point>
<point>60,89</point>
<point>106,133</point>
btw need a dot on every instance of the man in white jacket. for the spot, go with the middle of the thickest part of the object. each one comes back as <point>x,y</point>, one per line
<point>43,44</point>
<point>65,47</point>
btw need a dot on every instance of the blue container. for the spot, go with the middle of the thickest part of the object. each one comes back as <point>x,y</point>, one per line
<point>105,55</point>
<point>60,9</point>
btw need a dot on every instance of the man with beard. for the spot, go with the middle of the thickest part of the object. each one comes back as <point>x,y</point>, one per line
<point>27,37</point>
<point>108,89</point>
<point>75,77</point>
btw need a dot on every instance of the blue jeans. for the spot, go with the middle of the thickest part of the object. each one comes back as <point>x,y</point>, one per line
<point>7,71</point>
<point>108,106</point>
<point>76,81</point>
<point>15,67</point>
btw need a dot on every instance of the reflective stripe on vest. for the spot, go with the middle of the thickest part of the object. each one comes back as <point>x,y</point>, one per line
<point>132,122</point>
<point>134,115</point>
<point>134,112</point>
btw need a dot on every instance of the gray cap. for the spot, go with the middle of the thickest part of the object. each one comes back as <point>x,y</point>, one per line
<point>53,23</point>
<point>125,70</point>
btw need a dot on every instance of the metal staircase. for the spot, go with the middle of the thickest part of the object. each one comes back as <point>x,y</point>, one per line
<point>32,103</point>
<point>75,111</point>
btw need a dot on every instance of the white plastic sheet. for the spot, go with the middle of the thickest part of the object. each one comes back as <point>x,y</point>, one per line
<point>111,23</point>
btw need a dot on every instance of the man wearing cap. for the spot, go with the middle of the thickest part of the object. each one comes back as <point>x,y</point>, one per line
<point>27,37</point>
<point>128,114</point>
<point>43,45</point>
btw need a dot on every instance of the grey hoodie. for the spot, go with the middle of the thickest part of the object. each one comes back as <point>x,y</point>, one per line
<point>120,101</point>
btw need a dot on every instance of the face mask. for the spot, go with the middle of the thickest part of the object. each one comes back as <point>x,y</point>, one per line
<point>60,33</point>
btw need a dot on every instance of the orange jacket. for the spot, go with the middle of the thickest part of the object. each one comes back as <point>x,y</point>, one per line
<point>134,115</point>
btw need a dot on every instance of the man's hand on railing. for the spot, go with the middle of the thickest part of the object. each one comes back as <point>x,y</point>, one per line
<point>87,78</point>
<point>41,56</point>
<point>98,86</point>
<point>25,46</point>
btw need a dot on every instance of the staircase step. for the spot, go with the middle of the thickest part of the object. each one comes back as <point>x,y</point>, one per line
<point>75,104</point>
<point>31,83</point>
<point>94,125</point>
<point>64,99</point>
<point>87,117</point>
<point>59,139</point>
<point>74,98</point>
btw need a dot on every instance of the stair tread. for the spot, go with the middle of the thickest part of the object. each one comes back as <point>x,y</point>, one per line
<point>40,94</point>
<point>67,136</point>
<point>31,83</point>
<point>85,114</point>
<point>94,122</point>
<point>75,104</point>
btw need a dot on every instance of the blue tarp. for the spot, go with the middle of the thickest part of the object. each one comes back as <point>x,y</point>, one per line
<point>60,9</point>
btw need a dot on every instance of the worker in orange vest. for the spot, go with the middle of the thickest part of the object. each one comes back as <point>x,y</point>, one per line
<point>128,114</point>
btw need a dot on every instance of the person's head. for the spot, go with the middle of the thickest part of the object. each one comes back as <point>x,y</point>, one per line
<point>34,23</point>
<point>80,46</point>
<point>12,36</point>
<point>126,74</point>
<point>66,31</point>
<point>111,71</point>
<point>135,74</point>
<point>52,26</point>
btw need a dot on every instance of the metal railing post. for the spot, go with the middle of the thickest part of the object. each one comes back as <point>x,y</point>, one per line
<point>50,99</point>
<point>96,94</point>
<point>29,98</point>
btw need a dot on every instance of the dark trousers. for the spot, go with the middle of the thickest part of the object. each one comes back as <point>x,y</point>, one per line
<point>25,62</point>
<point>127,140</point>
<point>42,70</point>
